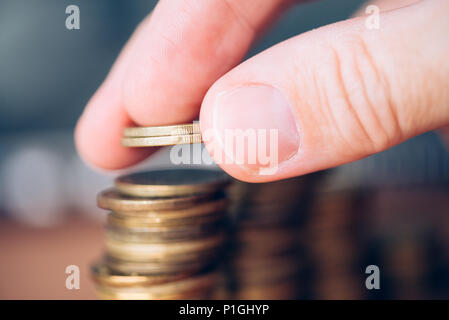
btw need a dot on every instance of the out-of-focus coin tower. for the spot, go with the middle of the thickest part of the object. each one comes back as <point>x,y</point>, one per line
<point>329,237</point>
<point>200,238</point>
<point>164,235</point>
<point>267,256</point>
<point>197,234</point>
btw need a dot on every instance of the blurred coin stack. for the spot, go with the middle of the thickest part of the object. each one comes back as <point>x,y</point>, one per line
<point>164,235</point>
<point>330,239</point>
<point>406,229</point>
<point>267,258</point>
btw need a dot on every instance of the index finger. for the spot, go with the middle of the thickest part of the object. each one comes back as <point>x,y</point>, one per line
<point>165,70</point>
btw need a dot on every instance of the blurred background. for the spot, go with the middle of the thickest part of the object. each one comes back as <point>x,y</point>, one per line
<point>48,217</point>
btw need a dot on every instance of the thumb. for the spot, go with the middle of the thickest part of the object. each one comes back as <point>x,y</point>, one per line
<point>332,95</point>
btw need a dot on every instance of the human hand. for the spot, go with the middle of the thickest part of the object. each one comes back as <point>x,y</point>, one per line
<point>335,94</point>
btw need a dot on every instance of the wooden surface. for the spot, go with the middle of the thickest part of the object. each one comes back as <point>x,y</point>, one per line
<point>33,260</point>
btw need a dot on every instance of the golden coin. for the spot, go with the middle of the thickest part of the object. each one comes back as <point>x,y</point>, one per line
<point>286,290</point>
<point>168,217</point>
<point>263,236</point>
<point>158,267</point>
<point>164,234</point>
<point>258,271</point>
<point>267,219</point>
<point>267,241</point>
<point>162,140</point>
<point>169,259</point>
<point>181,129</point>
<point>171,182</point>
<point>163,291</point>
<point>150,223</point>
<point>101,273</point>
<point>158,225</point>
<point>110,199</point>
<point>111,294</point>
<point>176,251</point>
<point>275,207</point>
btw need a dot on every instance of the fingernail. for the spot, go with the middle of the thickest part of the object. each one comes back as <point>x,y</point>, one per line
<point>259,109</point>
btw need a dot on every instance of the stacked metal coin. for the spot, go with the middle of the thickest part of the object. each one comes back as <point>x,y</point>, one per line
<point>162,135</point>
<point>266,257</point>
<point>330,239</point>
<point>164,235</point>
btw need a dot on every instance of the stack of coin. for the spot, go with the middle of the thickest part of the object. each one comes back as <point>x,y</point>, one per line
<point>267,257</point>
<point>164,235</point>
<point>405,239</point>
<point>162,136</point>
<point>330,239</point>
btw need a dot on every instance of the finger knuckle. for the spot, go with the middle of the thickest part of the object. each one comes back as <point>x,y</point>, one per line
<point>359,97</point>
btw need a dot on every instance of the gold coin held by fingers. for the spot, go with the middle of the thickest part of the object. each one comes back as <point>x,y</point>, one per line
<point>157,131</point>
<point>161,140</point>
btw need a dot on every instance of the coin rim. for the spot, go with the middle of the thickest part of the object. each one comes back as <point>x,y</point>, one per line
<point>150,268</point>
<point>176,288</point>
<point>135,223</point>
<point>136,204</point>
<point>162,140</point>
<point>141,190</point>
<point>162,251</point>
<point>157,131</point>
<point>114,278</point>
<point>169,217</point>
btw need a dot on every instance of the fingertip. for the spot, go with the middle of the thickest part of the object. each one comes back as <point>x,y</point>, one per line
<point>243,128</point>
<point>157,100</point>
<point>98,137</point>
<point>96,154</point>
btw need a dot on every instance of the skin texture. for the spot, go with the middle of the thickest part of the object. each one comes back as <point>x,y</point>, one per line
<point>351,91</point>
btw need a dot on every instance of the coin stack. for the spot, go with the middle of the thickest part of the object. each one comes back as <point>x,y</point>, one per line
<point>403,229</point>
<point>164,235</point>
<point>162,135</point>
<point>330,239</point>
<point>266,257</point>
